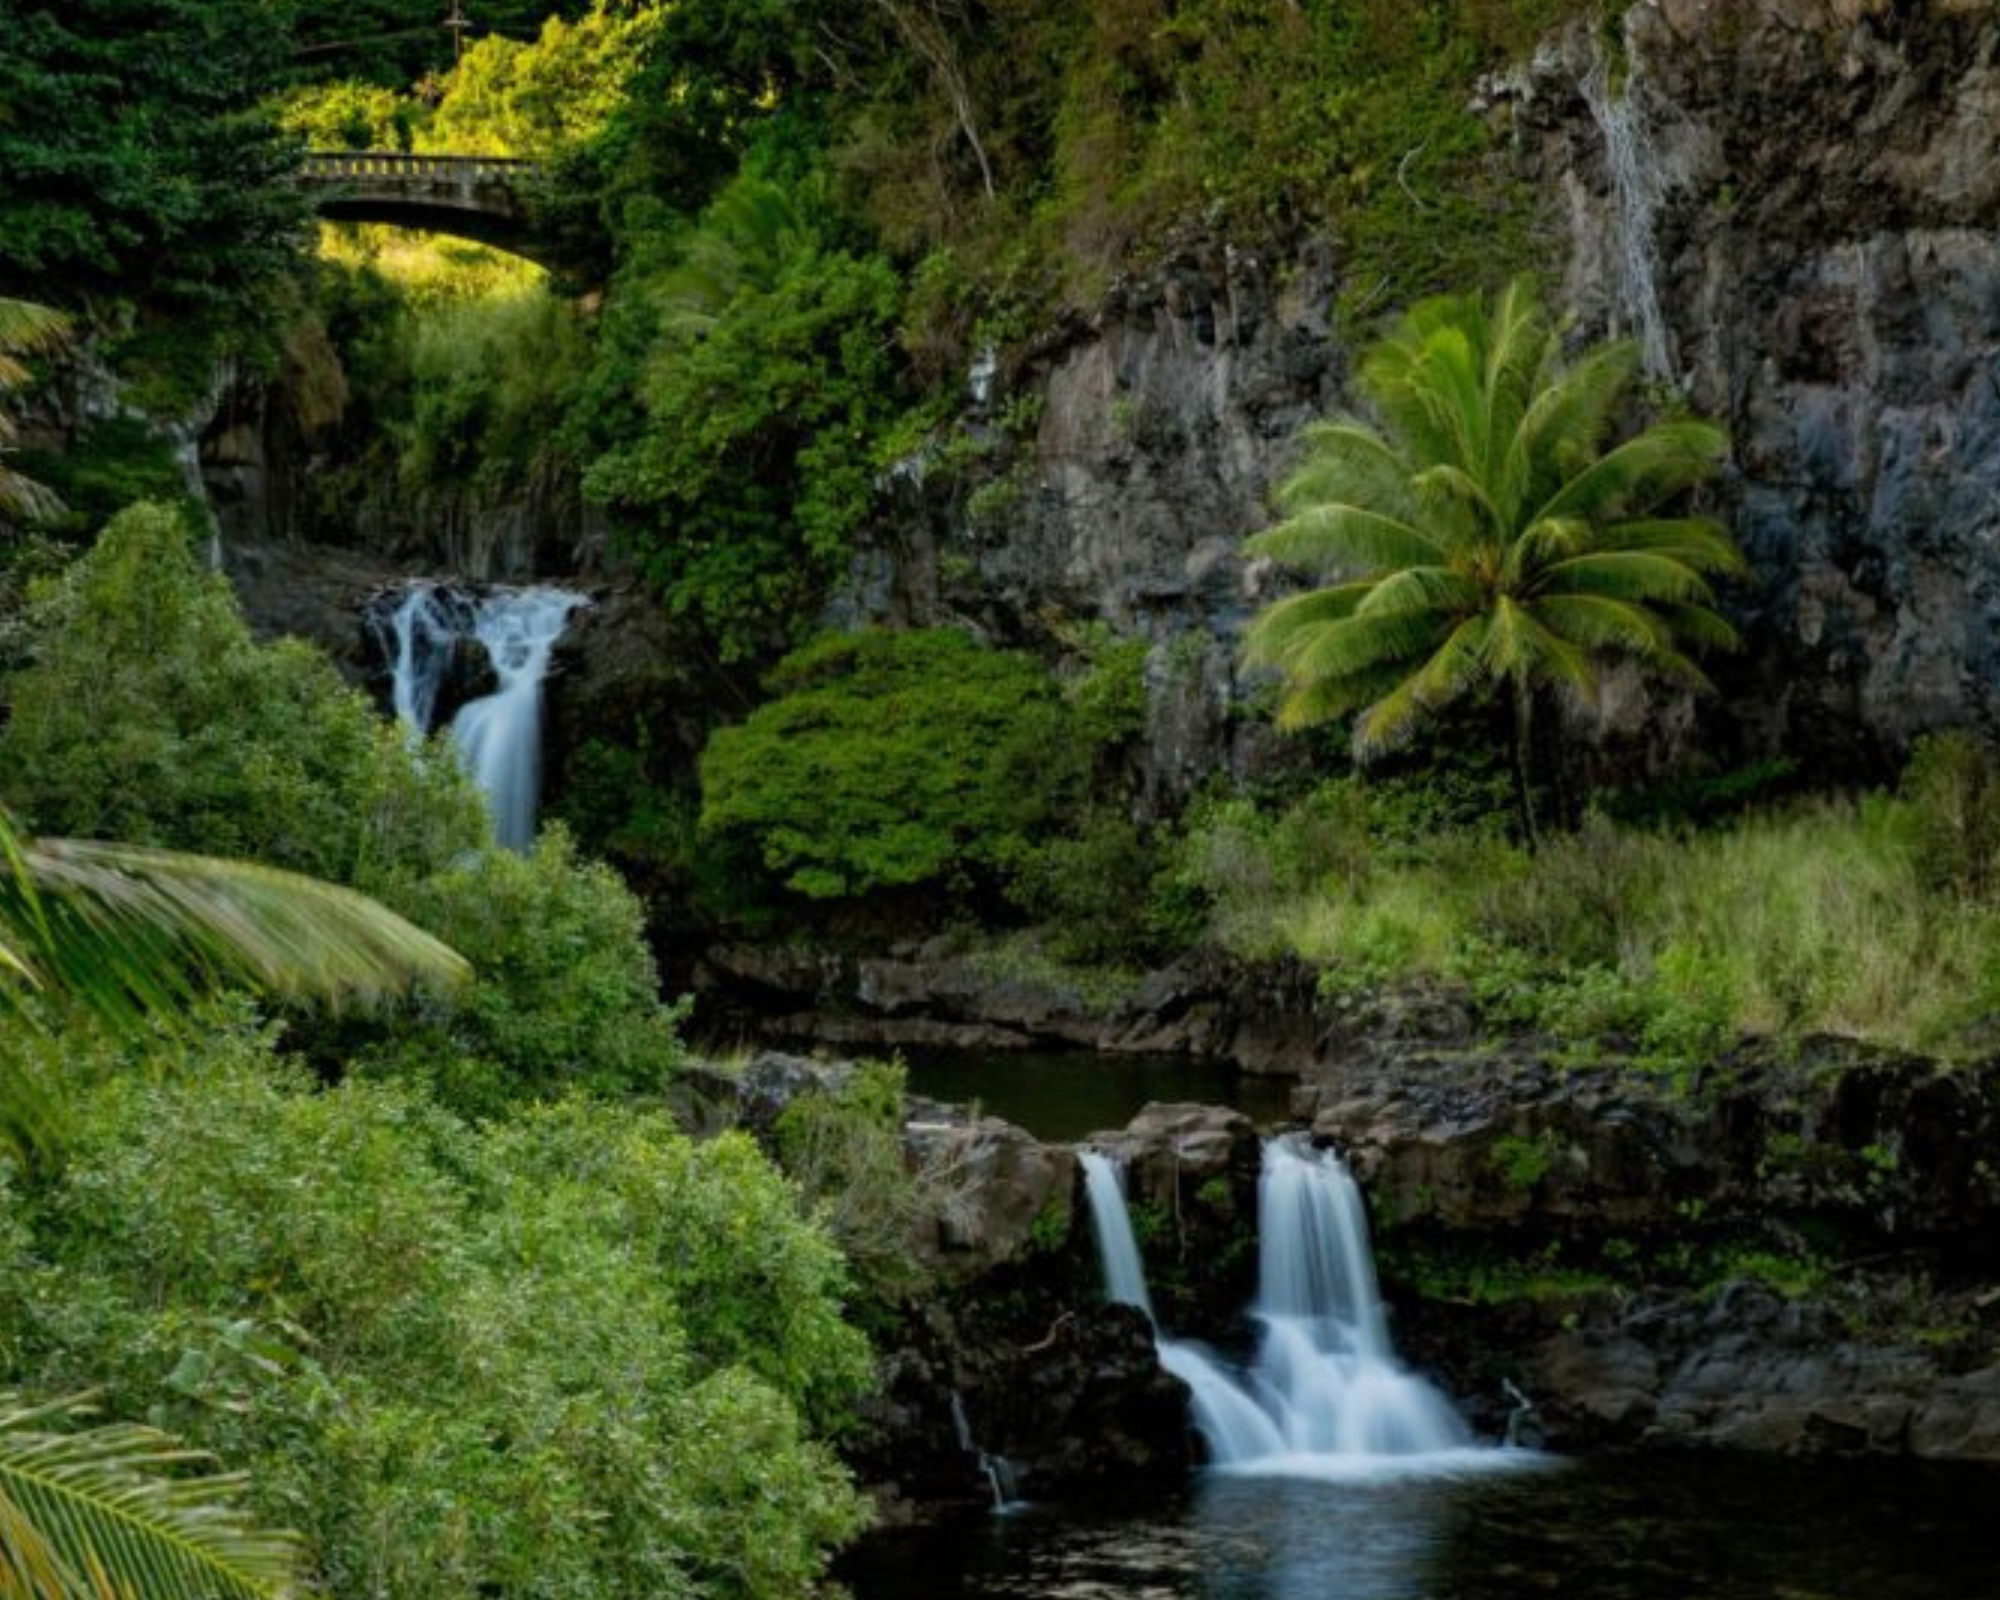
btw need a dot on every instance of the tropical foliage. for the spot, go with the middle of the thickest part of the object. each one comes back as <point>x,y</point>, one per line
<point>110,1509</point>
<point>896,760</point>
<point>133,159</point>
<point>147,713</point>
<point>1489,532</point>
<point>25,328</point>
<point>569,1353</point>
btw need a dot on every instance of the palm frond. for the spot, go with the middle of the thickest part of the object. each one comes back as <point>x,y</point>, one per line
<point>1335,537</point>
<point>1521,649</point>
<point>1626,575</point>
<point>1452,669</point>
<point>1283,620</point>
<point>1697,542</point>
<point>111,1512</point>
<point>1419,589</point>
<point>1348,461</point>
<point>127,931</point>
<point>25,328</point>
<point>1566,422</point>
<point>1642,472</point>
<point>1700,627</point>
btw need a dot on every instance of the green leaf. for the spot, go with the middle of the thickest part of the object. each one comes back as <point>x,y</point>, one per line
<point>111,1512</point>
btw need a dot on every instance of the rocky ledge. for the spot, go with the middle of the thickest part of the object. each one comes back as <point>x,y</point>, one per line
<point>1792,1252</point>
<point>1789,1253</point>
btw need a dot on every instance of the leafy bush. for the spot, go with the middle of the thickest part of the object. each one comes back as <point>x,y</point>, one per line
<point>564,991</point>
<point>746,382</point>
<point>349,116</point>
<point>147,713</point>
<point>1102,892</point>
<point>576,1355</point>
<point>886,761</point>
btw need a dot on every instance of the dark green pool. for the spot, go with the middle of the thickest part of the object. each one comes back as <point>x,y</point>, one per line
<point>1064,1095</point>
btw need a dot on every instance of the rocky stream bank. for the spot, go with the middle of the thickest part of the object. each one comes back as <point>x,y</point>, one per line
<point>1787,1252</point>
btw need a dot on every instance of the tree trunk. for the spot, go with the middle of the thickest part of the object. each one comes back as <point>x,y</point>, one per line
<point>1524,762</point>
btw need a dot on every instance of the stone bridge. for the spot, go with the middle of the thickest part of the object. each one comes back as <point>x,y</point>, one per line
<point>470,197</point>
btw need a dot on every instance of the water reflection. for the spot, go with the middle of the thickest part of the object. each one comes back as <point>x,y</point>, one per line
<point>1283,1539</point>
<point>1641,1529</point>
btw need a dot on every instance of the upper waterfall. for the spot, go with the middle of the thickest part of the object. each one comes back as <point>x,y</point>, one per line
<point>499,735</point>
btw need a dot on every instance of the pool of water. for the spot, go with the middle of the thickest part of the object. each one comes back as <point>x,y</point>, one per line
<point>1064,1095</point>
<point>1637,1528</point>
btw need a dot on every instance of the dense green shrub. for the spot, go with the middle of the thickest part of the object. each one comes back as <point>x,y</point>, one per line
<point>564,991</point>
<point>746,384</point>
<point>572,1356</point>
<point>887,761</point>
<point>147,713</point>
<point>1102,892</point>
<point>134,161</point>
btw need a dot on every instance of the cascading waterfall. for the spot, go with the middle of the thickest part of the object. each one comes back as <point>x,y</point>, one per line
<point>1638,186</point>
<point>1325,1395</point>
<point>419,637</point>
<point>499,736</point>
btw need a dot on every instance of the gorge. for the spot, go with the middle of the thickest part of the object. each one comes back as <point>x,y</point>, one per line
<point>959,1062</point>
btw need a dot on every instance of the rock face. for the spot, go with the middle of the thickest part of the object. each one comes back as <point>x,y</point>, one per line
<point>1794,201</point>
<point>1258,1019</point>
<point>1809,197</point>
<point>1122,462</point>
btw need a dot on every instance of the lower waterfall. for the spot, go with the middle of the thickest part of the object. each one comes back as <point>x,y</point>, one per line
<point>1324,1395</point>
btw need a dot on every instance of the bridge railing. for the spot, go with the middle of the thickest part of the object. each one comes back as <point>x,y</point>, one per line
<point>346,166</point>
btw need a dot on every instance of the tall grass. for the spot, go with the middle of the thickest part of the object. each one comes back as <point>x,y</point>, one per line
<point>1823,917</point>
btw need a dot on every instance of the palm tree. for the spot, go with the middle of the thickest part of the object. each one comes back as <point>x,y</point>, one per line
<point>25,329</point>
<point>1488,534</point>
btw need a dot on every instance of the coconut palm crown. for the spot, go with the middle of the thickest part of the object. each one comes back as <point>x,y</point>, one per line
<point>1488,532</point>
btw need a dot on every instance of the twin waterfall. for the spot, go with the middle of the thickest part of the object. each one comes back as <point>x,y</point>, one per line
<point>1324,1395</point>
<point>499,735</point>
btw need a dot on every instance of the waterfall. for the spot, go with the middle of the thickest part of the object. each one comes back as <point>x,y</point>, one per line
<point>498,736</point>
<point>1638,185</point>
<point>419,638</point>
<point>1117,1249</point>
<point>1324,1395</point>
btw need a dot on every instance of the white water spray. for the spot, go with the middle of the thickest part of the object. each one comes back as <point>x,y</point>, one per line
<point>498,737</point>
<point>1638,186</point>
<point>1325,1395</point>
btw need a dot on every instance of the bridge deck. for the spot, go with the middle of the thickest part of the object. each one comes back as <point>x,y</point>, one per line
<point>376,166</point>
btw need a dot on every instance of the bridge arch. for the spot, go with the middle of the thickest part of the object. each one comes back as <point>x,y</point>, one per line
<point>469,197</point>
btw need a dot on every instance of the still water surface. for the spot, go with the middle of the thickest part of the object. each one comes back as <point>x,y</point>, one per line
<point>1614,1529</point>
<point>1066,1094</point>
